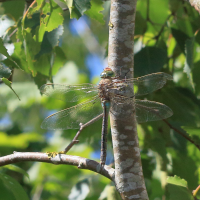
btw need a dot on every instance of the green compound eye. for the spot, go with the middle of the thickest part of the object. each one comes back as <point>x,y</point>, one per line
<point>110,73</point>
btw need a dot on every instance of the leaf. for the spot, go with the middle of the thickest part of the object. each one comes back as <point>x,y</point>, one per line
<point>77,7</point>
<point>178,98</point>
<point>3,51</point>
<point>14,8</point>
<point>16,169</point>
<point>177,181</point>
<point>20,141</point>
<point>4,71</point>
<point>177,188</point>
<point>195,73</point>
<point>31,48</point>
<point>94,12</point>
<point>40,79</point>
<point>8,83</point>
<point>80,190</point>
<point>5,23</point>
<point>193,132</point>
<point>174,5</point>
<point>159,10</point>
<point>52,16</point>
<point>60,59</point>
<point>109,193</point>
<point>189,48</point>
<point>50,40</point>
<point>149,60</point>
<point>181,38</point>
<point>140,24</point>
<point>11,189</point>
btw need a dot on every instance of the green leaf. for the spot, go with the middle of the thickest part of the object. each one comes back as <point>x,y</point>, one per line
<point>177,181</point>
<point>181,38</point>
<point>21,141</point>
<point>8,83</point>
<point>11,189</point>
<point>95,10</point>
<point>80,190</point>
<point>40,79</point>
<point>109,193</point>
<point>77,7</point>
<point>14,8</point>
<point>189,48</point>
<point>196,79</point>
<point>3,51</point>
<point>60,59</point>
<point>19,57</point>
<point>149,60</point>
<point>52,15</point>
<point>31,48</point>
<point>5,23</point>
<point>4,71</point>
<point>140,24</point>
<point>177,188</point>
<point>16,169</point>
<point>158,10</point>
<point>174,5</point>
<point>177,99</point>
<point>50,40</point>
<point>193,132</point>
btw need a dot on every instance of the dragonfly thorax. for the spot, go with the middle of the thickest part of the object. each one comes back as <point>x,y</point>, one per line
<point>104,86</point>
<point>107,72</point>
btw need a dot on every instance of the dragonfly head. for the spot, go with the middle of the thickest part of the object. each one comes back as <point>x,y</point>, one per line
<point>107,73</point>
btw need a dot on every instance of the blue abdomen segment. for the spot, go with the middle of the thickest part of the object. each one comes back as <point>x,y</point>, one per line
<point>106,103</point>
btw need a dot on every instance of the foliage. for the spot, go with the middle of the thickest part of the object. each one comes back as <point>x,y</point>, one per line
<point>46,44</point>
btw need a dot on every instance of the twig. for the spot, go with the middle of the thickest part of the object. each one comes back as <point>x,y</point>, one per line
<point>32,4</point>
<point>162,28</point>
<point>80,162</point>
<point>13,33</point>
<point>65,9</point>
<point>82,126</point>
<point>181,133</point>
<point>194,192</point>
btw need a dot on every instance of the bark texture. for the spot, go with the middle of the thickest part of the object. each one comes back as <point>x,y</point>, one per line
<point>129,178</point>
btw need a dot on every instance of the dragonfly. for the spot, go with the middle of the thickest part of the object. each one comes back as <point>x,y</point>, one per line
<point>102,99</point>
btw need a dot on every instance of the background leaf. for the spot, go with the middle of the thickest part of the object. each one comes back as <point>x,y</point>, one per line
<point>11,189</point>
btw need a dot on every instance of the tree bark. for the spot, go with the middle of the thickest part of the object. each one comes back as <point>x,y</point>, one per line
<point>129,178</point>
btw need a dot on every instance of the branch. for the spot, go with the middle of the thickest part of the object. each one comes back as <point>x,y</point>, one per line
<point>182,134</point>
<point>82,126</point>
<point>81,163</point>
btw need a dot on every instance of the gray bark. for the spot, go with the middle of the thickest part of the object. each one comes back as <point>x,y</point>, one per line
<point>129,178</point>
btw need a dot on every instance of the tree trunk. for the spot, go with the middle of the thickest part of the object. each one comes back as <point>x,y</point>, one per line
<point>129,178</point>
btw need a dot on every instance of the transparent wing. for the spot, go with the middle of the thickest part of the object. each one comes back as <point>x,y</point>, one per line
<point>70,93</point>
<point>151,111</point>
<point>70,118</point>
<point>144,84</point>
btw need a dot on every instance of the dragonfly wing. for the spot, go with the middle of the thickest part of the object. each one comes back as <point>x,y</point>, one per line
<point>149,83</point>
<point>70,93</point>
<point>121,105</point>
<point>151,111</point>
<point>70,118</point>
